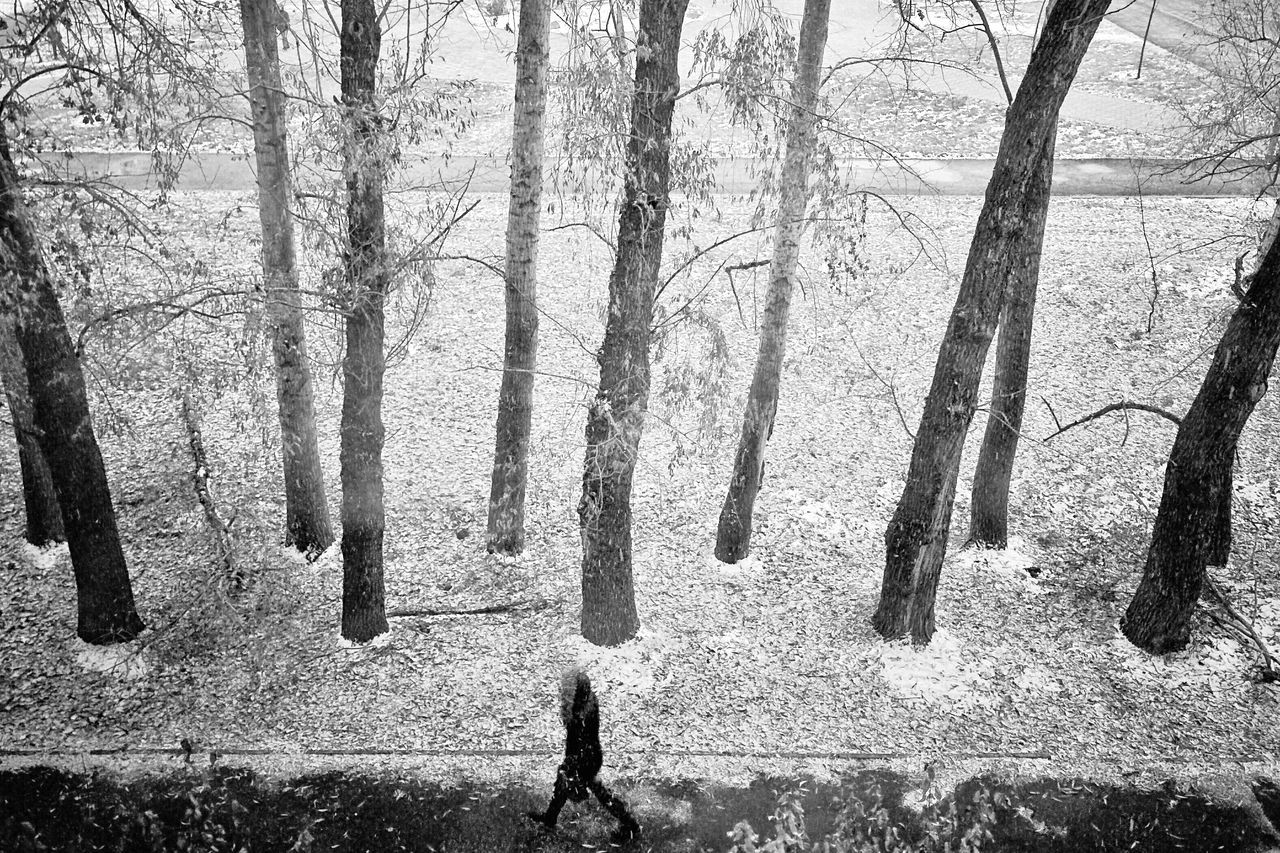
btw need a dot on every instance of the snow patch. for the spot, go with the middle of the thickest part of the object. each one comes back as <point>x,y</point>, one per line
<point>293,555</point>
<point>46,557</point>
<point>630,667</point>
<point>381,641</point>
<point>1012,564</point>
<point>744,567</point>
<point>933,673</point>
<point>123,660</point>
<point>1208,662</point>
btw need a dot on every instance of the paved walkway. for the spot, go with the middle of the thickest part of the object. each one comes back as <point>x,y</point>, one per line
<point>863,28</point>
<point>233,173</point>
<point>478,48</point>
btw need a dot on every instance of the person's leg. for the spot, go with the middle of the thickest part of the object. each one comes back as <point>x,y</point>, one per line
<point>616,807</point>
<point>558,796</point>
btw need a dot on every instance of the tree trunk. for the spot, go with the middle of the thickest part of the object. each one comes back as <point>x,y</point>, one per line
<point>1189,528</point>
<point>515,399</point>
<point>363,365</point>
<point>307,526</point>
<point>44,517</point>
<point>733,536</point>
<point>106,611</point>
<point>989,519</point>
<point>916,539</point>
<point>616,416</point>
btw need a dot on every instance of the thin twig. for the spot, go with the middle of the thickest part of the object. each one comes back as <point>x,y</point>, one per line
<point>1243,626</point>
<point>1155,279</point>
<point>1123,405</point>
<point>530,603</point>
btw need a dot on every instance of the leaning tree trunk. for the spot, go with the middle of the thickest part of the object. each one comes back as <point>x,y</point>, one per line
<point>1189,533</point>
<point>989,518</point>
<point>363,515</point>
<point>106,612</point>
<point>616,416</point>
<point>916,539</point>
<point>515,399</point>
<point>44,517</point>
<point>733,536</point>
<point>307,526</point>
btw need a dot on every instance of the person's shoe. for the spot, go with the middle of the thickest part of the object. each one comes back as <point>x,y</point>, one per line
<point>625,832</point>
<point>540,818</point>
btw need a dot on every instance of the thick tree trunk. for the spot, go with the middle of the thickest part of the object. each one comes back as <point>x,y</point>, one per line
<point>106,611</point>
<point>916,539</point>
<point>616,416</point>
<point>515,399</point>
<point>1189,528</point>
<point>733,536</point>
<point>989,518</point>
<point>44,517</point>
<point>363,515</point>
<point>307,526</point>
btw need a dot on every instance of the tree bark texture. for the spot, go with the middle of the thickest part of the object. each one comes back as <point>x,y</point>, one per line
<point>106,612</point>
<point>44,516</point>
<point>733,535</point>
<point>515,398</point>
<point>364,363</point>
<point>1188,533</point>
<point>616,416</point>
<point>989,507</point>
<point>307,526</point>
<point>916,538</point>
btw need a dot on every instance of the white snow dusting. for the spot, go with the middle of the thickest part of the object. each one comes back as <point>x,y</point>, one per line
<point>46,557</point>
<point>378,642</point>
<point>630,666</point>
<point>124,660</point>
<point>934,674</point>
<point>1011,564</point>
<point>1208,662</point>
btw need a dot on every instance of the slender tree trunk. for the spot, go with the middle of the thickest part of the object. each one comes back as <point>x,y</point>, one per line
<point>616,416</point>
<point>363,515</point>
<point>307,526</point>
<point>44,517</point>
<point>515,399</point>
<point>989,519</point>
<point>733,536</point>
<point>106,611</point>
<point>1189,528</point>
<point>916,539</point>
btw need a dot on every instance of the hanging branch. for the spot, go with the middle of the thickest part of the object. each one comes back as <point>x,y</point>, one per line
<point>220,528</point>
<point>1123,405</point>
<point>995,50</point>
<point>1242,628</point>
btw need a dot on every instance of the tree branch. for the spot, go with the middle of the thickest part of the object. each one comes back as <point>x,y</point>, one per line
<point>1123,405</point>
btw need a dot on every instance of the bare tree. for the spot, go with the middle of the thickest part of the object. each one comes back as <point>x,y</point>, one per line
<point>307,526</point>
<point>366,282</point>
<point>616,417</point>
<point>44,517</point>
<point>515,399</point>
<point>989,506</point>
<point>105,612</point>
<point>733,535</point>
<point>916,539</point>
<point>1193,525</point>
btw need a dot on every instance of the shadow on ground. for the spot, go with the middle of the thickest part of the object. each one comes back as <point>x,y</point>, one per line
<point>231,809</point>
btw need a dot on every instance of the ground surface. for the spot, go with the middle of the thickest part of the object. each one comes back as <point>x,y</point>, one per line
<point>776,656</point>
<point>734,667</point>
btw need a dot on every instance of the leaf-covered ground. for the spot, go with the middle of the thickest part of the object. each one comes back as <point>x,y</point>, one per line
<point>776,656</point>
